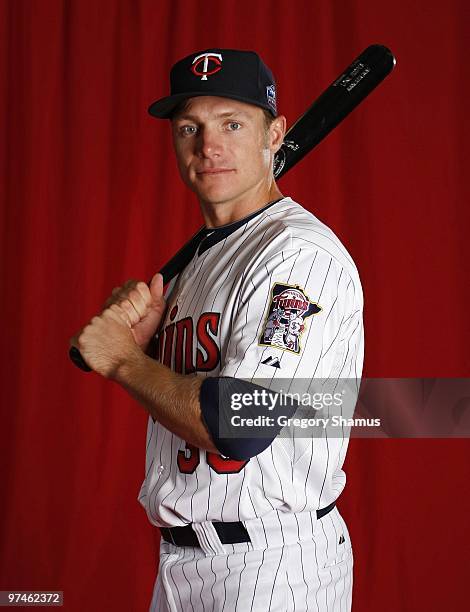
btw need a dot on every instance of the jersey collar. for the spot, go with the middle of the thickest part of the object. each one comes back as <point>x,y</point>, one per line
<point>213,235</point>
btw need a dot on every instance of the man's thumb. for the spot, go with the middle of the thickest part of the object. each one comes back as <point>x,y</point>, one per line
<point>156,286</point>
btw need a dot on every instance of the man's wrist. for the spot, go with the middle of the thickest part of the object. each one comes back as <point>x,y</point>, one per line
<point>133,361</point>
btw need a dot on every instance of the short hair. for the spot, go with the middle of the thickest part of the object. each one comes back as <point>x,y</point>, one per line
<point>268,119</point>
<point>182,106</point>
<point>179,108</point>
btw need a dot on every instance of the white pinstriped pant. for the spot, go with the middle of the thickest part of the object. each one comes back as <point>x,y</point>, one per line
<point>314,575</point>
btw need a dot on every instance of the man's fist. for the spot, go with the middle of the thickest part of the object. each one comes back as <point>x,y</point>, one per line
<point>143,307</point>
<point>107,343</point>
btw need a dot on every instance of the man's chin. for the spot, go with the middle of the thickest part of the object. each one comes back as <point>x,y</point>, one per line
<point>215,196</point>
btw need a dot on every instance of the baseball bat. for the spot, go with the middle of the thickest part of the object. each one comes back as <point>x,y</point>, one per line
<point>345,93</point>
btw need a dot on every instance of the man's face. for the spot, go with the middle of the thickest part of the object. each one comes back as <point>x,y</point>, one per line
<point>223,150</point>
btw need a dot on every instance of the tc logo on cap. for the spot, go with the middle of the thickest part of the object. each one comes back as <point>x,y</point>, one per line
<point>204,59</point>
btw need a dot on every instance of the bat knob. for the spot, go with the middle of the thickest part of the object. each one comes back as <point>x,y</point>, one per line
<point>78,360</point>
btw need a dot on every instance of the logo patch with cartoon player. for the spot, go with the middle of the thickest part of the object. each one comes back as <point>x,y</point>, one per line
<point>285,320</point>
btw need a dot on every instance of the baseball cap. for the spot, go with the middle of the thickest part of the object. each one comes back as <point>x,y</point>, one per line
<point>228,73</point>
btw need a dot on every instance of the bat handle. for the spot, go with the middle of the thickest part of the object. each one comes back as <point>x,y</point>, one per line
<point>78,360</point>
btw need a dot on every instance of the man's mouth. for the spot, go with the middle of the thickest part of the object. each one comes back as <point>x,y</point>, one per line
<point>214,171</point>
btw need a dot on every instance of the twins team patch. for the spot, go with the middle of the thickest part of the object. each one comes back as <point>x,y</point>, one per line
<point>285,320</point>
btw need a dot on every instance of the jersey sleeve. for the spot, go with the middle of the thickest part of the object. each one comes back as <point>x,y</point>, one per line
<point>298,317</point>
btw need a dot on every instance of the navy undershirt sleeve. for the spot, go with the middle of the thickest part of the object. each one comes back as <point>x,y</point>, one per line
<point>219,395</point>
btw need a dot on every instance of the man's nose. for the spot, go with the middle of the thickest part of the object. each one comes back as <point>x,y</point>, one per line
<point>209,142</point>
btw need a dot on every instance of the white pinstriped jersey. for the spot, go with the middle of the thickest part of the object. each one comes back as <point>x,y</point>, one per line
<point>281,289</point>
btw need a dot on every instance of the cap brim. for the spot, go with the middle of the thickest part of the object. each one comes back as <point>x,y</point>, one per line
<point>163,108</point>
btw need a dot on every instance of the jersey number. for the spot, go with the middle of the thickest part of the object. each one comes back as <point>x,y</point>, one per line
<point>189,458</point>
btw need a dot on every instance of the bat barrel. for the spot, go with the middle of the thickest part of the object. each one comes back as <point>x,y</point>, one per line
<point>334,104</point>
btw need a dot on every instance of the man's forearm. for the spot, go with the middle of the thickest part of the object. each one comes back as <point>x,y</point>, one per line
<point>171,399</point>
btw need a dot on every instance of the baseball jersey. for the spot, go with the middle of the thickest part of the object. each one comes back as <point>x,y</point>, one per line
<point>274,297</point>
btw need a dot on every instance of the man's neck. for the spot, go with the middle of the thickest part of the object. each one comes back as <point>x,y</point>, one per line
<point>223,213</point>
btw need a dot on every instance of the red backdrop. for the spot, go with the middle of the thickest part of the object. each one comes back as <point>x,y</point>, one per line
<point>90,197</point>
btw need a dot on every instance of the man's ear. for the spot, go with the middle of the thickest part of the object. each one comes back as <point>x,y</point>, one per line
<point>277,131</point>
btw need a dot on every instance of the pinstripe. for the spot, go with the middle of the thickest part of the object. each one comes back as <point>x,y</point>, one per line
<point>225,582</point>
<point>187,579</point>
<point>262,481</point>
<point>183,491</point>
<point>275,576</point>
<point>331,576</point>
<point>202,580</point>
<point>256,582</point>
<point>240,581</point>
<point>170,572</point>
<point>204,275</point>
<point>277,473</point>
<point>240,495</point>
<point>324,353</point>
<point>192,496</point>
<point>173,439</point>
<point>242,335</point>
<point>302,562</point>
<point>161,481</point>
<point>347,352</point>
<point>225,497</point>
<point>158,600</point>
<point>310,327</point>
<point>213,584</point>
<point>197,277</point>
<point>151,429</point>
<point>326,469</point>
<point>147,473</point>
<point>256,334</point>
<point>264,533</point>
<point>317,568</point>
<point>306,478</point>
<point>336,545</point>
<point>209,484</point>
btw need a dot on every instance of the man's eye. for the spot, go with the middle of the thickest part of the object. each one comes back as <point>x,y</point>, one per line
<point>188,130</point>
<point>234,125</point>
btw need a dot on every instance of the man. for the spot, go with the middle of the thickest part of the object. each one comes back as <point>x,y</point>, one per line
<point>272,296</point>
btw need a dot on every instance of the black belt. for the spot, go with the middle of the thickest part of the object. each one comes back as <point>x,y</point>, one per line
<point>229,533</point>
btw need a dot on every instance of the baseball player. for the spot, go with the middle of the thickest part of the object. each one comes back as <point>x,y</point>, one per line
<point>270,298</point>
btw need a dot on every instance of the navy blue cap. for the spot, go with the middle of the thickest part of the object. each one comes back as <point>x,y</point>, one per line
<point>228,73</point>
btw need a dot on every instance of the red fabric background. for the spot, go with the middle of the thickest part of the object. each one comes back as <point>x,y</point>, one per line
<point>90,196</point>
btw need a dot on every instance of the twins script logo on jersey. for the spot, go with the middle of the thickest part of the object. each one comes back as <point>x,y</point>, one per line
<point>204,59</point>
<point>285,320</point>
<point>174,343</point>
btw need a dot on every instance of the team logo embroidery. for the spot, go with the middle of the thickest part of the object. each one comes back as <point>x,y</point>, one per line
<point>271,96</point>
<point>285,320</point>
<point>200,66</point>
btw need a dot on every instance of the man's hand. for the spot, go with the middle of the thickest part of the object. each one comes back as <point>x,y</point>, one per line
<point>123,330</point>
<point>107,342</point>
<point>143,306</point>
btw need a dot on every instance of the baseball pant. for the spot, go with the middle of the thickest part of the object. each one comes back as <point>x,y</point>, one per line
<point>314,574</point>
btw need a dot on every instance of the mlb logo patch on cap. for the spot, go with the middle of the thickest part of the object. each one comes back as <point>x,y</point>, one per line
<point>271,96</point>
